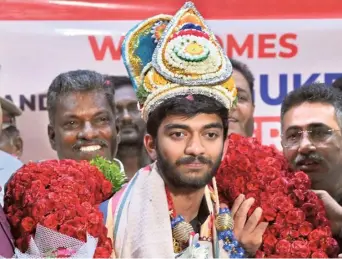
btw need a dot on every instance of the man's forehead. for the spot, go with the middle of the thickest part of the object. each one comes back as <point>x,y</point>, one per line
<point>75,99</point>
<point>81,104</point>
<point>196,122</point>
<point>125,92</point>
<point>8,119</point>
<point>307,114</point>
<point>7,116</point>
<point>240,81</point>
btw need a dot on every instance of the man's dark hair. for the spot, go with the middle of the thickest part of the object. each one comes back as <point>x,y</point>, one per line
<point>77,81</point>
<point>314,93</point>
<point>338,83</point>
<point>11,132</point>
<point>119,81</point>
<point>180,105</point>
<point>246,72</point>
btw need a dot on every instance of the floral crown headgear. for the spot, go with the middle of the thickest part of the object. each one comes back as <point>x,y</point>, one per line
<point>169,56</point>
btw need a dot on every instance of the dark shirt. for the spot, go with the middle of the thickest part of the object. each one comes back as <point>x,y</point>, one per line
<point>6,239</point>
<point>201,217</point>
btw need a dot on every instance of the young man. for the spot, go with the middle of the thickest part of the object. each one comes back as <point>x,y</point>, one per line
<point>311,121</point>
<point>131,149</point>
<point>82,116</point>
<point>10,140</point>
<point>185,94</point>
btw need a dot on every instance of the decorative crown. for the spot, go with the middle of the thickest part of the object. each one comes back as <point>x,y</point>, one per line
<point>168,56</point>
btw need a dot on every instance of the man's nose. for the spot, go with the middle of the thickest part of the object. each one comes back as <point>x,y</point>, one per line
<point>195,147</point>
<point>305,144</point>
<point>126,116</point>
<point>88,132</point>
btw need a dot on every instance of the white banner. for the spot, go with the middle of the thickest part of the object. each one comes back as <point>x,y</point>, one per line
<point>282,54</point>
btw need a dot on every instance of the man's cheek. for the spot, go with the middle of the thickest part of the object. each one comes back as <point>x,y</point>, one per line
<point>290,156</point>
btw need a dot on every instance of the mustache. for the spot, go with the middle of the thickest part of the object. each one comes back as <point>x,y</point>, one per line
<point>125,123</point>
<point>193,159</point>
<point>94,142</point>
<point>314,157</point>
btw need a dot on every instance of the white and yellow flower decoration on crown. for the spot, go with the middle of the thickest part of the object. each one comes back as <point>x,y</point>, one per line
<point>168,56</point>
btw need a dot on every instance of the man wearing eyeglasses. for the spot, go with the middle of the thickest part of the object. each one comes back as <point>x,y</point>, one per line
<point>311,121</point>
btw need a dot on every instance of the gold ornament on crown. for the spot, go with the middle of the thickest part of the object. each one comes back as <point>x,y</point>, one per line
<point>182,57</point>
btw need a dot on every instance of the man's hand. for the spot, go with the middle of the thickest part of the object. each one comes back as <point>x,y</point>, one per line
<point>333,210</point>
<point>247,231</point>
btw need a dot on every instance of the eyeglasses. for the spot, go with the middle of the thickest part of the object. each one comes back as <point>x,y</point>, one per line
<point>317,135</point>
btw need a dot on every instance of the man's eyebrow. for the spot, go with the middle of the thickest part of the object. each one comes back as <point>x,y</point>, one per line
<point>213,125</point>
<point>241,89</point>
<point>185,127</point>
<point>176,126</point>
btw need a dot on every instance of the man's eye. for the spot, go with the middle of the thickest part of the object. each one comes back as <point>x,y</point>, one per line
<point>293,135</point>
<point>104,119</point>
<point>177,134</point>
<point>212,135</point>
<point>70,124</point>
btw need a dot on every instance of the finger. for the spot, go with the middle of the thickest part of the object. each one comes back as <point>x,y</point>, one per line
<point>237,203</point>
<point>253,221</point>
<point>260,229</point>
<point>241,216</point>
<point>319,193</point>
<point>340,256</point>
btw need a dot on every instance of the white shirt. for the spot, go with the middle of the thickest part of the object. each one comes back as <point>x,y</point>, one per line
<point>8,165</point>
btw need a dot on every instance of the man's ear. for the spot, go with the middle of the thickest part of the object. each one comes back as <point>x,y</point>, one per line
<point>18,145</point>
<point>52,136</point>
<point>150,146</point>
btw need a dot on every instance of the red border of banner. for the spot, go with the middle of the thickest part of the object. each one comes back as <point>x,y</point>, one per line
<point>141,9</point>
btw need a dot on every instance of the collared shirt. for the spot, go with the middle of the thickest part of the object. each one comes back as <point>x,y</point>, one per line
<point>201,217</point>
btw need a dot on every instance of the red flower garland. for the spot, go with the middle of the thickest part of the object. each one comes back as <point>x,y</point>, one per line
<point>62,195</point>
<point>298,223</point>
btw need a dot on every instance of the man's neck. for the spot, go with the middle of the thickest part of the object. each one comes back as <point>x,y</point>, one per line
<point>129,155</point>
<point>187,204</point>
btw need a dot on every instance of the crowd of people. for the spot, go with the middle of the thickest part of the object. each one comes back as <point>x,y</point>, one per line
<point>170,142</point>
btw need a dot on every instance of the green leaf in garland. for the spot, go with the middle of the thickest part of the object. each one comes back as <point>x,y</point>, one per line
<point>111,171</point>
<point>142,94</point>
<point>235,102</point>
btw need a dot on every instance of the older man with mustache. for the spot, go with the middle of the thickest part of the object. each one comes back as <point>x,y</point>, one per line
<point>311,121</point>
<point>82,116</point>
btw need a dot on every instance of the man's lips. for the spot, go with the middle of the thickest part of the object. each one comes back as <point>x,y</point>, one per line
<point>308,165</point>
<point>128,129</point>
<point>90,148</point>
<point>231,119</point>
<point>307,162</point>
<point>194,165</point>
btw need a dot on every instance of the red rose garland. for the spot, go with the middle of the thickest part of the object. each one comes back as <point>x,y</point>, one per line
<point>298,224</point>
<point>62,195</point>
